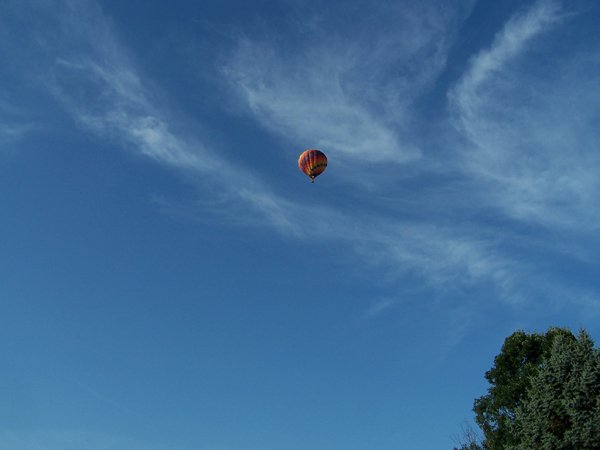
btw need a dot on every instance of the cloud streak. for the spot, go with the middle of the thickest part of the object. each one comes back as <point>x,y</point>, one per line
<point>362,113</point>
<point>13,122</point>
<point>351,90</point>
<point>533,141</point>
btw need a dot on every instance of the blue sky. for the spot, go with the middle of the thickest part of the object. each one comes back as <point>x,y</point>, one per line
<point>170,280</point>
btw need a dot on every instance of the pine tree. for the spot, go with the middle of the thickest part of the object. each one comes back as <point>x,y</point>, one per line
<point>561,409</point>
<point>544,395</point>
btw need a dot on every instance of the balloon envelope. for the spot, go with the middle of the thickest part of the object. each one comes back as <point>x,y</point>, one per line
<point>312,162</point>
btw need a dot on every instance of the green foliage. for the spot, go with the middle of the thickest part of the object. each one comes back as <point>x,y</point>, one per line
<point>469,446</point>
<point>519,360</point>
<point>562,407</point>
<point>544,394</point>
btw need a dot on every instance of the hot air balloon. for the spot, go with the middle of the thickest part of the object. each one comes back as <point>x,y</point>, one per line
<point>312,162</point>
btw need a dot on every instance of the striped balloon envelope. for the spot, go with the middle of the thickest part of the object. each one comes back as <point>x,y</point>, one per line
<point>312,162</point>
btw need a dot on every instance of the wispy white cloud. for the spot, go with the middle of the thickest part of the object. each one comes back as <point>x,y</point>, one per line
<point>13,131</point>
<point>450,259</point>
<point>106,96</point>
<point>380,306</point>
<point>531,123</point>
<point>349,91</point>
<point>446,257</point>
<point>508,44</point>
<point>13,123</point>
<point>92,76</point>
<point>97,82</point>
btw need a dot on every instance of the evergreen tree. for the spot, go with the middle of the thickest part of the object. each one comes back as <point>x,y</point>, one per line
<point>514,367</point>
<point>562,407</point>
<point>544,395</point>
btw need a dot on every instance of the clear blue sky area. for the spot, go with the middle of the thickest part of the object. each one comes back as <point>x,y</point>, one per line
<point>169,279</point>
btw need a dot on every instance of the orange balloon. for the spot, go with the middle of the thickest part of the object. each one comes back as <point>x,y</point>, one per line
<point>312,162</point>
